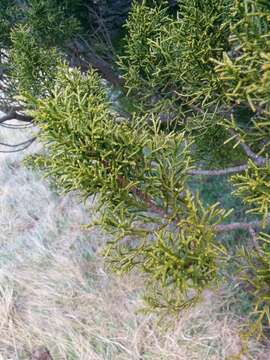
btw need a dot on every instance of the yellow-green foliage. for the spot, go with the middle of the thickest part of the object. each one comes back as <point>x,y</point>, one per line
<point>8,12</point>
<point>256,273</point>
<point>50,21</point>
<point>254,188</point>
<point>178,260</point>
<point>33,66</point>
<point>85,141</point>
<point>244,71</point>
<point>139,173</point>
<point>206,66</point>
<point>165,53</point>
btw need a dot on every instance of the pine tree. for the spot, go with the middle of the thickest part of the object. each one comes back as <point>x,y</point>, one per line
<point>196,83</point>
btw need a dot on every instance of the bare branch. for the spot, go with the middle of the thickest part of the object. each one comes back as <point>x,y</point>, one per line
<point>20,144</point>
<point>26,144</point>
<point>16,126</point>
<point>240,226</point>
<point>15,116</point>
<point>221,172</point>
<point>250,227</point>
<point>259,160</point>
<point>221,228</point>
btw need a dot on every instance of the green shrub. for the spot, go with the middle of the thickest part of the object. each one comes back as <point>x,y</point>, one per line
<point>199,84</point>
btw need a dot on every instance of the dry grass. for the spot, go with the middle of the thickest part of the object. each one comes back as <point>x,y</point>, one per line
<point>54,291</point>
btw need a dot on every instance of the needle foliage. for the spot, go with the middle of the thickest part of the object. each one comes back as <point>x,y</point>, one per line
<point>198,80</point>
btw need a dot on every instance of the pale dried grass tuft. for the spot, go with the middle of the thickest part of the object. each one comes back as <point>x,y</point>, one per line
<point>56,293</point>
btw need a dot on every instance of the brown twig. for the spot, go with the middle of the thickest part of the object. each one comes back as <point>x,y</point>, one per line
<point>221,172</point>
<point>250,227</point>
<point>259,160</point>
<point>150,203</point>
<point>144,197</point>
<point>256,224</point>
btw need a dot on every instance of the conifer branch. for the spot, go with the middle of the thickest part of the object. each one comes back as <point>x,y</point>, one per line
<point>250,227</point>
<point>221,228</point>
<point>143,197</point>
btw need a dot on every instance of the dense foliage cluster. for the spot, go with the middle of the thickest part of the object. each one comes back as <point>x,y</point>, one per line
<point>197,80</point>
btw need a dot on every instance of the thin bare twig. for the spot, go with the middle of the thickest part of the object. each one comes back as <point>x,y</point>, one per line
<point>26,144</point>
<point>150,203</point>
<point>221,172</point>
<point>259,160</point>
<point>19,144</point>
<point>256,224</point>
<point>16,126</point>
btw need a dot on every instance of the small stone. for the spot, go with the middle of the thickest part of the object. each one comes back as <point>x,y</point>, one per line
<point>41,354</point>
